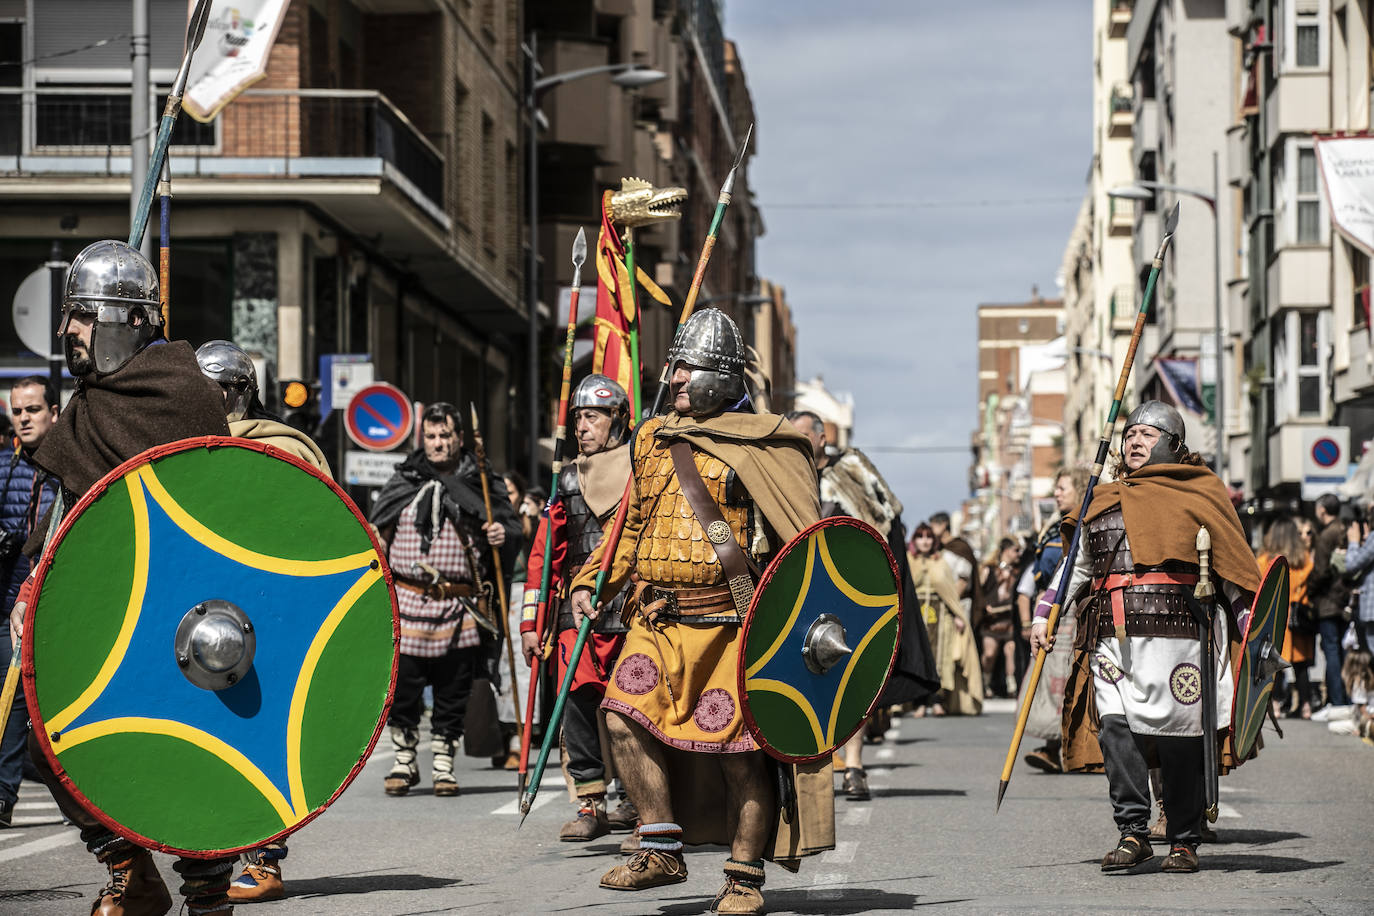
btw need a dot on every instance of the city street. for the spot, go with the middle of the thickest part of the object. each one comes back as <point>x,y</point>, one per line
<point>1294,838</point>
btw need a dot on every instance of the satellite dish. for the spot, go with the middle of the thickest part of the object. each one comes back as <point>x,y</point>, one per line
<point>32,320</point>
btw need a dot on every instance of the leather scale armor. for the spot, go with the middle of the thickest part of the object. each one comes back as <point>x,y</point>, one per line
<point>673,551</point>
<point>1151,610</point>
<point>584,533</point>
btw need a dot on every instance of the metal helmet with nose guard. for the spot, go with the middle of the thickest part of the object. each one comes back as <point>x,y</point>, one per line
<point>1169,422</point>
<point>711,346</point>
<point>226,364</point>
<point>603,393</point>
<point>115,285</point>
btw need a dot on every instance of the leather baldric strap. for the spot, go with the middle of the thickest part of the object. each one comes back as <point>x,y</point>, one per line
<point>732,559</point>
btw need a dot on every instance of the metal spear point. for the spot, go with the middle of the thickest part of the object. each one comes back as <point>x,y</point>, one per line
<point>579,256</point>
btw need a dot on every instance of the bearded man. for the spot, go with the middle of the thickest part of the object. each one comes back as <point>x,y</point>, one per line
<point>717,490</point>
<point>134,391</point>
<point>589,491</point>
<point>1139,637</point>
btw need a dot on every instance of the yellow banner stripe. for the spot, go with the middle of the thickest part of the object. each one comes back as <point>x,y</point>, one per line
<point>181,731</point>
<point>131,612</point>
<point>302,690</point>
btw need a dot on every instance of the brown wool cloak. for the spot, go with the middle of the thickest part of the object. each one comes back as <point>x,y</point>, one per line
<point>773,461</point>
<point>157,397</point>
<point>602,478</point>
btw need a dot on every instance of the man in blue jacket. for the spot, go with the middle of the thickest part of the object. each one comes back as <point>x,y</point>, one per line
<point>25,495</point>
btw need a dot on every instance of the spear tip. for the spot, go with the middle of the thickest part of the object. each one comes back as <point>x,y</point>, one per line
<point>1001,790</point>
<point>739,157</point>
<point>579,253</point>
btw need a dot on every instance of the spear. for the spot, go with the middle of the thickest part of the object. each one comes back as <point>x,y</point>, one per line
<point>496,565</point>
<point>164,193</point>
<point>195,31</point>
<point>560,435</point>
<point>1059,593</point>
<point>612,539</point>
<point>635,396</point>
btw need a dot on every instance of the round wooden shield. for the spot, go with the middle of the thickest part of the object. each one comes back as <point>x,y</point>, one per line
<point>820,639</point>
<point>1259,658</point>
<point>212,648</point>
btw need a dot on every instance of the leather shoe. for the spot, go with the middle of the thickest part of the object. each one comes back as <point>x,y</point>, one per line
<point>260,881</point>
<point>590,824</point>
<point>135,889</point>
<point>1040,759</point>
<point>630,845</point>
<point>855,785</point>
<point>623,816</point>
<point>737,897</point>
<point>1129,853</point>
<point>646,868</point>
<point>1182,859</point>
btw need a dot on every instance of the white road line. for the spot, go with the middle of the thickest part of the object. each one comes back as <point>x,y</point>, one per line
<point>24,805</point>
<point>36,820</point>
<point>7,835</point>
<point>513,806</point>
<point>64,838</point>
<point>842,854</point>
<point>893,733</point>
<point>1225,810</point>
<point>886,753</point>
<point>828,887</point>
<point>1227,789</point>
<point>880,772</point>
<point>857,817</point>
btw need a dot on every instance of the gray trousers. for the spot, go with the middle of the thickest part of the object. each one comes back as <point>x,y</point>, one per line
<point>581,738</point>
<point>1128,780</point>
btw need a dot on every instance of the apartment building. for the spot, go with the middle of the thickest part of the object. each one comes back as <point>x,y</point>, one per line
<point>362,198</point>
<point>1099,269</point>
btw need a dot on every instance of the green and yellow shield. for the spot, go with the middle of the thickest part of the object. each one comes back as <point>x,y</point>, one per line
<point>820,639</point>
<point>210,654</point>
<point>1259,658</point>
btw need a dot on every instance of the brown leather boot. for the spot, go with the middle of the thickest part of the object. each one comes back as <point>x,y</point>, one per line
<point>623,816</point>
<point>743,889</point>
<point>135,888</point>
<point>1159,830</point>
<point>590,823</point>
<point>260,881</point>
<point>1129,853</point>
<point>646,868</point>
<point>630,845</point>
<point>1182,859</point>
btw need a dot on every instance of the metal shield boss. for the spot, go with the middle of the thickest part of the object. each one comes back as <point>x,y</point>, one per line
<point>1260,658</point>
<point>820,639</point>
<point>211,651</point>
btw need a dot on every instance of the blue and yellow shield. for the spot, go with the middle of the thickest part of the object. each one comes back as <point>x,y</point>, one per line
<point>820,639</point>
<point>210,654</point>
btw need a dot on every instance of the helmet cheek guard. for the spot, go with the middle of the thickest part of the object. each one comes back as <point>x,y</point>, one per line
<point>710,344</point>
<point>1171,447</point>
<point>115,284</point>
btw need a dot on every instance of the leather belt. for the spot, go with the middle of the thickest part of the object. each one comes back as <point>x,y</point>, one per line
<point>1117,583</point>
<point>713,601</point>
<point>434,590</point>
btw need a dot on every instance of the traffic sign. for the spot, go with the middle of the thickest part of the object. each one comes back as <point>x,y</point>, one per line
<point>1324,459</point>
<point>369,469</point>
<point>32,312</point>
<point>1326,452</point>
<point>379,417</point>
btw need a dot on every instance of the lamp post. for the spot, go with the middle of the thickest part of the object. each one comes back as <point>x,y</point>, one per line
<point>627,76</point>
<point>1146,190</point>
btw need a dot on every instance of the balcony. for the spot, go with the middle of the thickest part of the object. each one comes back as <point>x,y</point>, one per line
<point>1145,131</point>
<point>1120,110</point>
<point>1120,216</point>
<point>1119,17</point>
<point>1123,308</point>
<point>318,143</point>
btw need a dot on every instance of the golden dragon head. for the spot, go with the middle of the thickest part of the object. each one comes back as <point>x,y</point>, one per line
<point>639,203</point>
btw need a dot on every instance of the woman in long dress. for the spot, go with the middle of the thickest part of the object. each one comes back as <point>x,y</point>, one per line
<point>951,636</point>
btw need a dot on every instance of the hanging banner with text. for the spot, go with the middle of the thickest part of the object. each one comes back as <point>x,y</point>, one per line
<point>233,56</point>
<point>1347,170</point>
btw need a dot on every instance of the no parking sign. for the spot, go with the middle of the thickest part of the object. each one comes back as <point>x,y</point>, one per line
<point>379,417</point>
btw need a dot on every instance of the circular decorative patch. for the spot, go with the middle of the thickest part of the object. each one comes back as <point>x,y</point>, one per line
<point>715,710</point>
<point>636,674</point>
<point>1185,683</point>
<point>718,532</point>
<point>1108,671</point>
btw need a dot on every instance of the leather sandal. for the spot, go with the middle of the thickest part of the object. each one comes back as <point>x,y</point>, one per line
<point>1129,853</point>
<point>1182,859</point>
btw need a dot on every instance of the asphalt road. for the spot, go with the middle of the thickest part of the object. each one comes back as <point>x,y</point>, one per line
<point>1295,837</point>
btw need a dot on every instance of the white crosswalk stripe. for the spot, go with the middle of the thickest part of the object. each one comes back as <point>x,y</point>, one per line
<point>828,886</point>
<point>33,847</point>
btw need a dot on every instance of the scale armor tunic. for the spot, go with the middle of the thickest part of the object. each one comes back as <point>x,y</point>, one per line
<point>584,533</point>
<point>678,677</point>
<point>1156,681</point>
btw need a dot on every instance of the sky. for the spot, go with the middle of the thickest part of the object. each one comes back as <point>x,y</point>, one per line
<point>892,140</point>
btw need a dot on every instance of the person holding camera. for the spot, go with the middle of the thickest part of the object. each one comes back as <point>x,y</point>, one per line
<point>1359,571</point>
<point>25,496</point>
<point>1327,590</point>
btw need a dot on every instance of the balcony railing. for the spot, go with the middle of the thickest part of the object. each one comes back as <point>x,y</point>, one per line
<point>279,133</point>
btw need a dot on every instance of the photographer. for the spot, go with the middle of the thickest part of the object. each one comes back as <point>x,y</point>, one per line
<point>1329,593</point>
<point>25,495</point>
<point>1359,570</point>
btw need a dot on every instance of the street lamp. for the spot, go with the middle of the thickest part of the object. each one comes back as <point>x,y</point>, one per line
<point>1146,190</point>
<point>627,76</point>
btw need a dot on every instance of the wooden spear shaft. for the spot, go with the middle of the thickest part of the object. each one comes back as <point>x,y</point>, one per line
<point>496,567</point>
<point>1060,593</point>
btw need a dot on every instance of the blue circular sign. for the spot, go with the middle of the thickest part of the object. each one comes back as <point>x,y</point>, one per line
<point>379,417</point>
<point>1326,452</point>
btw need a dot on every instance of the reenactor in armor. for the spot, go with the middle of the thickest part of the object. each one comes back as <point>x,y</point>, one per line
<point>1138,637</point>
<point>134,391</point>
<point>589,491</point>
<point>717,489</point>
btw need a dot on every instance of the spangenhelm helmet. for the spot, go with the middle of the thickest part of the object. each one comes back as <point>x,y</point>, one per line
<point>225,363</point>
<point>1169,422</point>
<point>602,393</point>
<point>711,345</point>
<point>113,283</point>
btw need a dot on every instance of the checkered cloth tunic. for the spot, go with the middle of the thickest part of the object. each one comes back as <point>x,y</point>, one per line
<point>421,614</point>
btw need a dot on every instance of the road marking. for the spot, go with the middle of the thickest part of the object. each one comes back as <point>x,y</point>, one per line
<point>856,817</point>
<point>1224,810</point>
<point>1227,789</point>
<point>886,753</point>
<point>64,838</point>
<point>893,733</point>
<point>25,805</point>
<point>880,771</point>
<point>828,887</point>
<point>513,806</point>
<point>842,854</point>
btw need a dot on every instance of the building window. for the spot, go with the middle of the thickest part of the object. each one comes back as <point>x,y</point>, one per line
<point>1309,205</point>
<point>1359,281</point>
<point>1306,35</point>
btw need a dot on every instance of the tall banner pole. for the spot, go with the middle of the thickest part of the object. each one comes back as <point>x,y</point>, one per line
<point>612,539</point>
<point>164,251</point>
<point>1060,593</point>
<point>560,436</point>
<point>636,397</point>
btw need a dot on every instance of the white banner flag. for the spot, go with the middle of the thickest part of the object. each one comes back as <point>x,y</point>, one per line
<point>1347,166</point>
<point>233,56</point>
